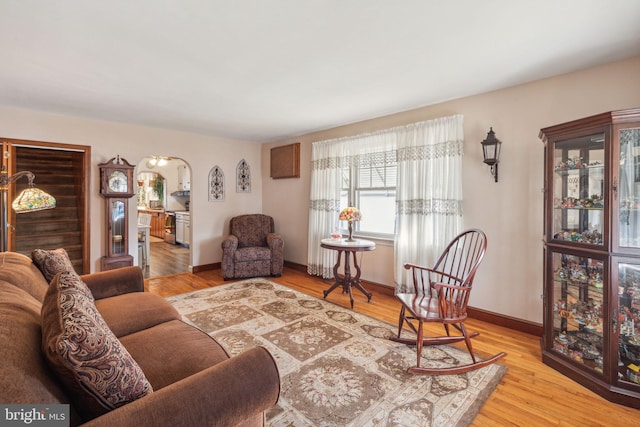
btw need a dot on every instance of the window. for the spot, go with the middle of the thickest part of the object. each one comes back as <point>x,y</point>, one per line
<point>406,181</point>
<point>369,183</point>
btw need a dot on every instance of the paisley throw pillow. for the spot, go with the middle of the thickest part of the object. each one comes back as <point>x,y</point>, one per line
<point>98,371</point>
<point>51,262</point>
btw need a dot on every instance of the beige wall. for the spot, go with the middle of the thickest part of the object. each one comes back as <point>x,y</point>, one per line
<point>209,220</point>
<point>510,211</point>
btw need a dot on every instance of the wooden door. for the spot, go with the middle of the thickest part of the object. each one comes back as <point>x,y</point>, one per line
<point>64,171</point>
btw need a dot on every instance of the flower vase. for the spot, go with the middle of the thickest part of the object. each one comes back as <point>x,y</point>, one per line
<point>350,239</point>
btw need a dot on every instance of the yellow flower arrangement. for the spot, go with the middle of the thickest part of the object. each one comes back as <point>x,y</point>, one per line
<point>350,214</point>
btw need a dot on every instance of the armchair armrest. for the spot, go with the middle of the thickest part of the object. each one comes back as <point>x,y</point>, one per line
<point>223,395</point>
<point>229,246</point>
<point>229,243</point>
<point>115,282</point>
<point>276,244</point>
<point>275,241</point>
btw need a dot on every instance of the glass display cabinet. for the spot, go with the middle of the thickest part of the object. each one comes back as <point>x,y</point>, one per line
<point>592,253</point>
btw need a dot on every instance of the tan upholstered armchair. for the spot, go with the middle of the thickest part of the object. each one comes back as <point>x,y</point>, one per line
<point>252,248</point>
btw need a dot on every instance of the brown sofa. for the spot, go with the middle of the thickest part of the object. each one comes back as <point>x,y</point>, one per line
<point>195,382</point>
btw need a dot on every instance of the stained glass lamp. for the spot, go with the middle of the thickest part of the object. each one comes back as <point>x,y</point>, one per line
<point>29,200</point>
<point>33,199</point>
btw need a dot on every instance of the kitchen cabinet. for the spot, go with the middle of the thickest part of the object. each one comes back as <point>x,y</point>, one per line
<point>591,239</point>
<point>157,222</point>
<point>184,178</point>
<point>183,228</point>
<point>187,231</point>
<point>157,225</point>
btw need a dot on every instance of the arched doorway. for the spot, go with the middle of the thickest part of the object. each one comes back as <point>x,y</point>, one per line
<point>164,192</point>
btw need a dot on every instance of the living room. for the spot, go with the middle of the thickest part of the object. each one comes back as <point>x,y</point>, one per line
<point>510,211</point>
<point>481,193</point>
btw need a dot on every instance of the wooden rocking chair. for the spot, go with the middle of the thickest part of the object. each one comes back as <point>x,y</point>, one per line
<point>441,295</point>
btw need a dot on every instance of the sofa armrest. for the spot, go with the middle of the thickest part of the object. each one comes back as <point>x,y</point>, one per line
<point>115,282</point>
<point>223,395</point>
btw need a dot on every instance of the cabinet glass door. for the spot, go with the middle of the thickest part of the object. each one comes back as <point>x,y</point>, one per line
<point>628,322</point>
<point>578,190</point>
<point>578,308</point>
<point>629,188</point>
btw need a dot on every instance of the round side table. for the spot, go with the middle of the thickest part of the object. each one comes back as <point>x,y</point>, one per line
<point>346,280</point>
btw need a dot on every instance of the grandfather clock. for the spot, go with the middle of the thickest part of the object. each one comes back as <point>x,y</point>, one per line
<point>116,186</point>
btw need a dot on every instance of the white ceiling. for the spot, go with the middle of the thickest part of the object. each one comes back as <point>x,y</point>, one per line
<point>264,70</point>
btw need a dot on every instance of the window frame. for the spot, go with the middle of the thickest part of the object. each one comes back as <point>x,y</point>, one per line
<point>353,190</point>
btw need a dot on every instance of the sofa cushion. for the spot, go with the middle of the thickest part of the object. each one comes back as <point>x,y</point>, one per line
<point>166,364</point>
<point>52,262</point>
<point>135,311</point>
<point>97,370</point>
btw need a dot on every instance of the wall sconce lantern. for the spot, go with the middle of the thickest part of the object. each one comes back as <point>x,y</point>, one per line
<point>491,152</point>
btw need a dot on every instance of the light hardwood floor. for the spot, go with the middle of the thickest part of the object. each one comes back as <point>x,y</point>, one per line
<point>530,394</point>
<point>166,259</point>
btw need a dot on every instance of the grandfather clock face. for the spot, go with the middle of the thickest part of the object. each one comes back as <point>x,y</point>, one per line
<point>116,178</point>
<point>118,182</point>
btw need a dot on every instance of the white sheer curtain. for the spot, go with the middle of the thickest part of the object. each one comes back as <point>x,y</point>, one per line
<point>429,192</point>
<point>328,161</point>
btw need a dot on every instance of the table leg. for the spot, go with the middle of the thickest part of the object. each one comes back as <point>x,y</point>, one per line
<point>346,284</point>
<point>356,281</point>
<point>338,282</point>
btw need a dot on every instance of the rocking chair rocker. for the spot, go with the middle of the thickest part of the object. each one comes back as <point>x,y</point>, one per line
<point>441,295</point>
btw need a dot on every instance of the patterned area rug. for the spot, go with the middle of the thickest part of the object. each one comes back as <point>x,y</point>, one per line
<point>336,366</point>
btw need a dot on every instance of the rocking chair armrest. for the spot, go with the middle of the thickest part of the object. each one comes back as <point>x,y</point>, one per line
<point>438,286</point>
<point>409,266</point>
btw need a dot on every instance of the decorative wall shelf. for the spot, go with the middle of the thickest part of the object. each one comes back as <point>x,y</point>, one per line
<point>216,184</point>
